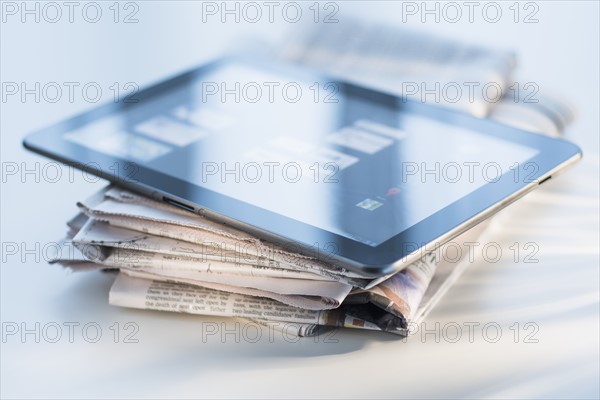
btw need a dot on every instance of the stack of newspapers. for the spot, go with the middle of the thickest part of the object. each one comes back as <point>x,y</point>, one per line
<point>173,260</point>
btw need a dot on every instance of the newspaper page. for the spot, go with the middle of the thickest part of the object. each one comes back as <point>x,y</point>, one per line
<point>70,257</point>
<point>137,292</point>
<point>308,294</point>
<point>97,239</point>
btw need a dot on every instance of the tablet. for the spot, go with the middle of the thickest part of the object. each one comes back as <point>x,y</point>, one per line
<point>356,177</point>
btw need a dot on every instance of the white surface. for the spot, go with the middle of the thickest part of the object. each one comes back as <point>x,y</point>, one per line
<point>559,294</point>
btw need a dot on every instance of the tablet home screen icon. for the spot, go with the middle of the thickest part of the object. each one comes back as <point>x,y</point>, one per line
<point>369,204</point>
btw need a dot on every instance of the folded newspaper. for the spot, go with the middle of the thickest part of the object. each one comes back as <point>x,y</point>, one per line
<point>414,64</point>
<point>425,68</point>
<point>173,260</point>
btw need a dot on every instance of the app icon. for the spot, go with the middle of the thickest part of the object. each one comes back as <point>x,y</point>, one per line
<point>369,204</point>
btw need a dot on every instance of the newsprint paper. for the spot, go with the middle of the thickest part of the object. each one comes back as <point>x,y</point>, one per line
<point>174,260</point>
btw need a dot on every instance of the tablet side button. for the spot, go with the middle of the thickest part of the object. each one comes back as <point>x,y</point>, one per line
<point>178,204</point>
<point>544,180</point>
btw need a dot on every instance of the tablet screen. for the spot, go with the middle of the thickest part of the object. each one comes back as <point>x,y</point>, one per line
<point>309,150</point>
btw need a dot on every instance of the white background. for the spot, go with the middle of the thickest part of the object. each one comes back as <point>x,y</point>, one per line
<point>559,294</point>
